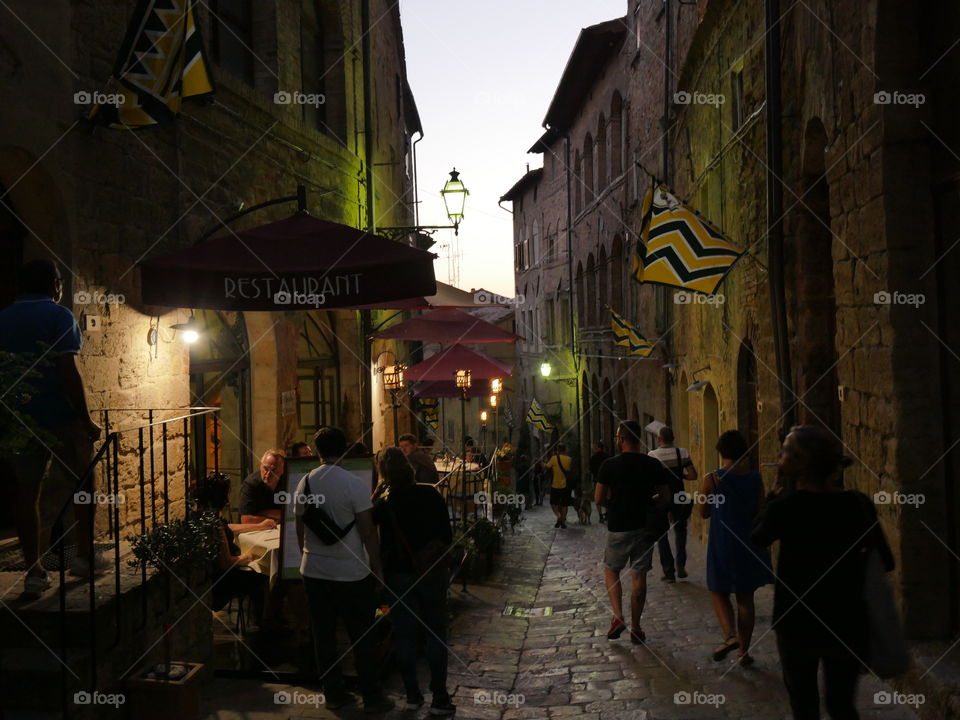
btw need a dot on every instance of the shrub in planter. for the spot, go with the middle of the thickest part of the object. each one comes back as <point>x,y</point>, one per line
<point>183,548</point>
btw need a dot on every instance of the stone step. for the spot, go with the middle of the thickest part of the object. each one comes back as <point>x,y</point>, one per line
<point>30,677</point>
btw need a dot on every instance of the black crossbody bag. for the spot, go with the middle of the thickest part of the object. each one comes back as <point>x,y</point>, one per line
<point>320,522</point>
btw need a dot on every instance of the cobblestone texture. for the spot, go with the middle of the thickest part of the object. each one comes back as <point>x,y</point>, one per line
<point>562,664</point>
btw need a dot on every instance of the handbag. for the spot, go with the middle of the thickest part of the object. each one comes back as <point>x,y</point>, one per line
<point>426,560</point>
<point>321,524</point>
<point>887,654</point>
<point>572,478</point>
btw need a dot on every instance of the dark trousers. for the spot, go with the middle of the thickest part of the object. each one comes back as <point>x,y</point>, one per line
<point>680,539</point>
<point>800,660</point>
<point>422,605</point>
<point>354,603</point>
<point>237,582</point>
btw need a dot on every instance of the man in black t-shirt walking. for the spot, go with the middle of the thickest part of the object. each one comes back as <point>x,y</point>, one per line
<point>632,485</point>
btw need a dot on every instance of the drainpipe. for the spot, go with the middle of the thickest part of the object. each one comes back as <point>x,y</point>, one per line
<point>775,249</point>
<point>366,401</point>
<point>666,168</point>
<point>416,192</point>
<point>574,346</point>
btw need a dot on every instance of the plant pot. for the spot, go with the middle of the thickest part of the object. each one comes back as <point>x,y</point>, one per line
<point>504,467</point>
<point>159,699</point>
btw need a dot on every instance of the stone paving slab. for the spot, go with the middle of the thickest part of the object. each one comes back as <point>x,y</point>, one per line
<point>561,665</point>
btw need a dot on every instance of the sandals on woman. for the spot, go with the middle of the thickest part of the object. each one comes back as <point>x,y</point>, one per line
<point>728,647</point>
<point>745,660</point>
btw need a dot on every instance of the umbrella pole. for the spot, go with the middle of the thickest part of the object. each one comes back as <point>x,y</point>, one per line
<point>463,451</point>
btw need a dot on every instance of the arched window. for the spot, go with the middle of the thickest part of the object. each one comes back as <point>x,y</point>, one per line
<point>616,275</point>
<point>591,300</point>
<point>588,169</point>
<point>616,136</point>
<point>535,250</point>
<point>577,184</point>
<point>603,283</point>
<point>581,318</point>
<point>602,178</point>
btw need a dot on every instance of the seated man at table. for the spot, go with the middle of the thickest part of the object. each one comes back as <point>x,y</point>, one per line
<point>424,470</point>
<point>258,500</point>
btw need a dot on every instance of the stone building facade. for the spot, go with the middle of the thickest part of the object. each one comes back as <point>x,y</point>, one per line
<point>99,201</point>
<point>869,226</point>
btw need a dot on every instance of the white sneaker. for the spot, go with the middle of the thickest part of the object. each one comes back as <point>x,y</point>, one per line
<point>36,584</point>
<point>80,566</point>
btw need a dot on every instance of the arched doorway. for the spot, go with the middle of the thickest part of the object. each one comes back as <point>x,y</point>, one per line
<point>606,401</point>
<point>811,292</point>
<point>12,237</point>
<point>711,429</point>
<point>220,377</point>
<point>681,429</point>
<point>747,400</point>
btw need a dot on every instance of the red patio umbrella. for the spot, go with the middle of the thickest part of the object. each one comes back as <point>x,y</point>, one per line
<point>448,325</point>
<point>300,263</point>
<point>444,365</point>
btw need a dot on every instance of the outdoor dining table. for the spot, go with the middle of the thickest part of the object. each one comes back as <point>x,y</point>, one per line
<point>265,547</point>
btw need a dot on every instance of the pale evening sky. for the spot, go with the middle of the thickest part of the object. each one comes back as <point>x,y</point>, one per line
<point>483,75</point>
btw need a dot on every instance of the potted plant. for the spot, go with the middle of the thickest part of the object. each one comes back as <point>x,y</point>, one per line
<point>171,688</point>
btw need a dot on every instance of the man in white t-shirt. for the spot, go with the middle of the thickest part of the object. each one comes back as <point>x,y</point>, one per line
<point>678,462</point>
<point>341,578</point>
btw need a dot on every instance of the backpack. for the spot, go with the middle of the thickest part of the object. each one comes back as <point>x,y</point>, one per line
<point>320,522</point>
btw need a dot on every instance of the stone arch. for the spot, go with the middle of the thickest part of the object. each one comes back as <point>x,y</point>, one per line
<point>681,426</point>
<point>33,219</point>
<point>588,169</point>
<point>616,276</point>
<point>591,300</point>
<point>711,428</point>
<point>603,285</point>
<point>608,425</point>
<point>602,177</point>
<point>811,293</point>
<point>615,131</point>
<point>747,400</point>
<point>577,183</point>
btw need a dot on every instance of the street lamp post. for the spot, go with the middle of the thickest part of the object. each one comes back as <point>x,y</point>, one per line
<point>496,387</point>
<point>454,196</point>
<point>483,432</point>
<point>393,382</point>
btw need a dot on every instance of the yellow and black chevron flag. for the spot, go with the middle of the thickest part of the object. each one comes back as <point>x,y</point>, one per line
<point>628,336</point>
<point>536,417</point>
<point>161,63</point>
<point>678,247</point>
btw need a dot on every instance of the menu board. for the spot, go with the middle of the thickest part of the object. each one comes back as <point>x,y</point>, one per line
<point>296,468</point>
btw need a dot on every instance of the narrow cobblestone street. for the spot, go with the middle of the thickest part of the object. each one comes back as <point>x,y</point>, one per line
<point>561,665</point>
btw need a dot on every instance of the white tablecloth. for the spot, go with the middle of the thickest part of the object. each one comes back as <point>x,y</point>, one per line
<point>265,546</point>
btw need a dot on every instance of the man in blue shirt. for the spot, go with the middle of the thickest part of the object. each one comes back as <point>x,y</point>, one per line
<point>47,336</point>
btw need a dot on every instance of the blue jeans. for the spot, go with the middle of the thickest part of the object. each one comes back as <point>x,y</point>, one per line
<point>680,538</point>
<point>422,606</point>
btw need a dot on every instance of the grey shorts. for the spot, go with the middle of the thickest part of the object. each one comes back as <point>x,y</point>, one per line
<point>629,548</point>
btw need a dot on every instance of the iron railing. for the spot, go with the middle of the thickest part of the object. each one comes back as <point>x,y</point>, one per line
<point>106,462</point>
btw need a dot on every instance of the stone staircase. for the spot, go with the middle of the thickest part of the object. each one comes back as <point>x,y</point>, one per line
<point>33,634</point>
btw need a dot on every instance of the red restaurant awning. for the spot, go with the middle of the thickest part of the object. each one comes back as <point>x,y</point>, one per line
<point>444,365</point>
<point>448,325</point>
<point>300,263</point>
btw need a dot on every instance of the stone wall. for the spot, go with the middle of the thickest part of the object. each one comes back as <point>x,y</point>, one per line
<point>101,200</point>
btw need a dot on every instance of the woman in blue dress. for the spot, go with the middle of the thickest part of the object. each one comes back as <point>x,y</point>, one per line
<point>733,495</point>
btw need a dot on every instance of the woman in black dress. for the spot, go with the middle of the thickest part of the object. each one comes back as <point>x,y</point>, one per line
<point>233,578</point>
<point>819,613</point>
